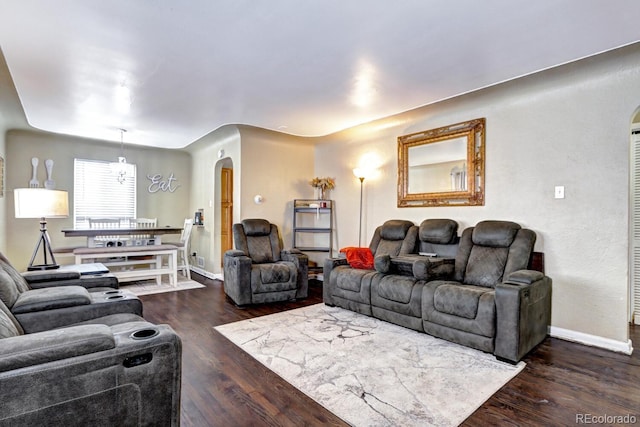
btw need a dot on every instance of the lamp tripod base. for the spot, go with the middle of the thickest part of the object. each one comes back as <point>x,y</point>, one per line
<point>45,243</point>
<point>43,267</point>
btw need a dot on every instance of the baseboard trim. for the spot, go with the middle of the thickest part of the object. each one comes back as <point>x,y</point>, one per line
<point>207,274</point>
<point>592,340</point>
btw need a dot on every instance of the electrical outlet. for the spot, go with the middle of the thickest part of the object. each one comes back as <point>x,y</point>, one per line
<point>200,261</point>
<point>559,192</point>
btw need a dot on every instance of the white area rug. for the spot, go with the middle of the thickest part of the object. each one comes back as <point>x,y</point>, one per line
<point>147,287</point>
<point>370,372</point>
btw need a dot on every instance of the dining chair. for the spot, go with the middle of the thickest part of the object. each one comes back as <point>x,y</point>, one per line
<point>103,224</point>
<point>142,223</point>
<point>183,248</point>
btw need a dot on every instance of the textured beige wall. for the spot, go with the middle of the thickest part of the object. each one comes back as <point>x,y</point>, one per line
<point>3,197</point>
<point>22,234</point>
<point>209,154</point>
<point>568,126</point>
<point>273,165</point>
<point>11,115</point>
<point>278,167</point>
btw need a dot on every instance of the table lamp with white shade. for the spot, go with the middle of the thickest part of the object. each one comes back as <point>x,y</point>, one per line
<point>41,203</point>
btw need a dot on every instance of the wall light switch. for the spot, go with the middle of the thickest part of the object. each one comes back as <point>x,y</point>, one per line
<point>559,192</point>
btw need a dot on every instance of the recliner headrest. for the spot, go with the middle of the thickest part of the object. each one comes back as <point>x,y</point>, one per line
<point>440,231</point>
<point>497,234</point>
<point>395,229</point>
<point>256,227</point>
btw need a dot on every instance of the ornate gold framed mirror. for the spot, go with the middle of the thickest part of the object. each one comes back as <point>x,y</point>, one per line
<point>443,166</point>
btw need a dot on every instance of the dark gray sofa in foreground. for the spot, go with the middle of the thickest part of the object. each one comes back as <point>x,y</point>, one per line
<point>74,351</point>
<point>479,294</point>
<point>117,370</point>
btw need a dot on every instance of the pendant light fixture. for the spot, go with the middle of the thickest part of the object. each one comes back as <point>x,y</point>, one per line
<point>121,169</point>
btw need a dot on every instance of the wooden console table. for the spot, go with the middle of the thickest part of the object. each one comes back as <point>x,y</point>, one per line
<point>155,267</point>
<point>91,233</point>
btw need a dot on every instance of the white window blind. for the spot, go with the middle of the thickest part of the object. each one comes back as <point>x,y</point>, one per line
<point>98,194</point>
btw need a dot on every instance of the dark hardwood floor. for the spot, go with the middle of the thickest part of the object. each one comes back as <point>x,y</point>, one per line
<point>224,386</point>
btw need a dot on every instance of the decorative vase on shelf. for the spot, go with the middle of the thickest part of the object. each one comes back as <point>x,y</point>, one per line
<point>322,185</point>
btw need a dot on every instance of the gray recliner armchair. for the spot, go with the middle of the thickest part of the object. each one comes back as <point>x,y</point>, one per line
<point>39,303</point>
<point>492,302</point>
<point>258,270</point>
<point>117,370</point>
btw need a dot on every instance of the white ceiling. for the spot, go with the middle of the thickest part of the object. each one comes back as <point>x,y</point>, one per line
<point>172,71</point>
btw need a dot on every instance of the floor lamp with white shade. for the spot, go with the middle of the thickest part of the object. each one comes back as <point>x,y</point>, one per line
<point>41,203</point>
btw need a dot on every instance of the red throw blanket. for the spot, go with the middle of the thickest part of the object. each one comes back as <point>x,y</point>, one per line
<point>359,257</point>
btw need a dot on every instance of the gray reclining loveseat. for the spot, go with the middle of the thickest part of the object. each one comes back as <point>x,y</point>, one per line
<point>479,294</point>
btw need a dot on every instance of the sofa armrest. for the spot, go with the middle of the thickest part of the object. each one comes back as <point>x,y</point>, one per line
<point>295,256</point>
<point>433,268</point>
<point>52,278</point>
<point>301,261</point>
<point>292,251</point>
<point>42,347</point>
<point>50,299</point>
<point>234,253</point>
<point>237,276</point>
<point>332,263</point>
<point>524,277</point>
<point>39,276</point>
<point>382,263</point>
<point>327,268</point>
<point>523,314</point>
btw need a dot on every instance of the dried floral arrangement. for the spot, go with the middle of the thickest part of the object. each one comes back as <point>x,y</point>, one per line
<point>323,183</point>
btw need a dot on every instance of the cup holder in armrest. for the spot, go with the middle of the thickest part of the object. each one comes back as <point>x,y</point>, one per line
<point>115,297</point>
<point>112,292</point>
<point>144,334</point>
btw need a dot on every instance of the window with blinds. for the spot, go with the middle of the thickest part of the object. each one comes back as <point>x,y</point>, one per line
<point>97,193</point>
